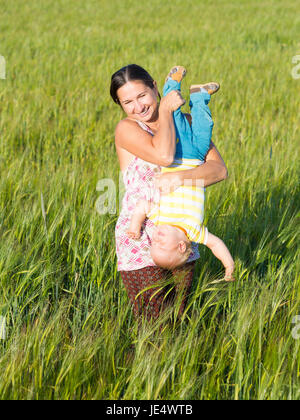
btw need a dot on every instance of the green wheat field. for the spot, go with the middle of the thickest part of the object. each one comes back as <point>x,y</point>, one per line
<point>67,327</point>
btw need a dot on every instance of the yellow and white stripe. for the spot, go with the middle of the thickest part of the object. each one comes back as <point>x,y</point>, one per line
<point>183,207</point>
<point>182,164</point>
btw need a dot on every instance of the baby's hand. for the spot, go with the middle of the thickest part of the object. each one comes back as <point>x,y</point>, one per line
<point>133,235</point>
<point>229,276</point>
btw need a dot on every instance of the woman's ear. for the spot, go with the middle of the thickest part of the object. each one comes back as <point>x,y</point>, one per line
<point>182,247</point>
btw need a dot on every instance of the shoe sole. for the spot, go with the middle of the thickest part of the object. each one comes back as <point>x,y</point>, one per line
<point>211,87</point>
<point>176,73</point>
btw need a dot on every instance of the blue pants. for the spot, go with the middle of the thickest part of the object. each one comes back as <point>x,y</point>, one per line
<point>192,141</point>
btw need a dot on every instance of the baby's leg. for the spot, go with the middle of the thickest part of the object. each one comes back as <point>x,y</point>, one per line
<point>202,123</point>
<point>173,82</point>
<point>139,215</point>
<point>220,250</point>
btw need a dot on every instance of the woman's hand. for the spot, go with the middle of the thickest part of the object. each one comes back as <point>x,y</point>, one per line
<point>172,101</point>
<point>167,182</point>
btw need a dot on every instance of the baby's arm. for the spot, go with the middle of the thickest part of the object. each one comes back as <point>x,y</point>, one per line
<point>139,215</point>
<point>220,250</point>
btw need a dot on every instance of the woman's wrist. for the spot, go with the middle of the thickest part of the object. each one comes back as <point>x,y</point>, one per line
<point>164,112</point>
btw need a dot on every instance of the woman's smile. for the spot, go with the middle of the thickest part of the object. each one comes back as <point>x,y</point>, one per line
<point>144,112</point>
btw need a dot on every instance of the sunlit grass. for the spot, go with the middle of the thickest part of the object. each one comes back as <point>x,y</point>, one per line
<point>70,333</point>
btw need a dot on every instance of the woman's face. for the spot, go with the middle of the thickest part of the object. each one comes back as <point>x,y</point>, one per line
<point>139,101</point>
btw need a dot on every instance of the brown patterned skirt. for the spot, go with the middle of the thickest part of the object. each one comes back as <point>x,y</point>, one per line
<point>167,287</point>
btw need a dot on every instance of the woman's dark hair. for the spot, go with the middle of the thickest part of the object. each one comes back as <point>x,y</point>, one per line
<point>126,74</point>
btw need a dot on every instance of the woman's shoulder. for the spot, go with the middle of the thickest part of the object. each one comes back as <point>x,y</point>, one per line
<point>125,123</point>
<point>128,128</point>
<point>123,129</point>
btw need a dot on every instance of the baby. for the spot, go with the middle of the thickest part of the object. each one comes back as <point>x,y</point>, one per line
<point>178,215</point>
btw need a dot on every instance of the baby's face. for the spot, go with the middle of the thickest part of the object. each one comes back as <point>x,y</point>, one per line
<point>166,248</point>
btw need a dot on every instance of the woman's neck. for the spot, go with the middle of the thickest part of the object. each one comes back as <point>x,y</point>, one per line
<point>153,124</point>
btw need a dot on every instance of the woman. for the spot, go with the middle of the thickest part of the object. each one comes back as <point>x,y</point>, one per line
<point>145,140</point>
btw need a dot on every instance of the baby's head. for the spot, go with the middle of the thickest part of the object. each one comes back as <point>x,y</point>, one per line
<point>170,246</point>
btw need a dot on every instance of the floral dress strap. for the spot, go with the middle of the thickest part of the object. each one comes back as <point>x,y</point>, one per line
<point>145,127</point>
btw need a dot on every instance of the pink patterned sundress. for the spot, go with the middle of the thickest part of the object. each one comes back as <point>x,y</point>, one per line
<point>138,182</point>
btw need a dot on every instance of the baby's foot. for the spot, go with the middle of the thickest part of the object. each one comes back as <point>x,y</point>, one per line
<point>176,73</point>
<point>133,235</point>
<point>211,87</point>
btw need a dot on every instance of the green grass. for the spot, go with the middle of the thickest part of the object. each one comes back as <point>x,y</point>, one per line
<point>69,326</point>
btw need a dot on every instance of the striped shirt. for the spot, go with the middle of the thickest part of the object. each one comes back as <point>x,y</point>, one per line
<point>184,207</point>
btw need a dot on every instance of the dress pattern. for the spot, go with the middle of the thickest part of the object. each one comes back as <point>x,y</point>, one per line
<point>149,301</point>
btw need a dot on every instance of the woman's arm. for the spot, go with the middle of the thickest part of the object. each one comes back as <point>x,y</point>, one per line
<point>158,149</point>
<point>212,171</point>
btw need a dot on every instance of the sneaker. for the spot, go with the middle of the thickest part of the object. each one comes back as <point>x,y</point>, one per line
<point>176,73</point>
